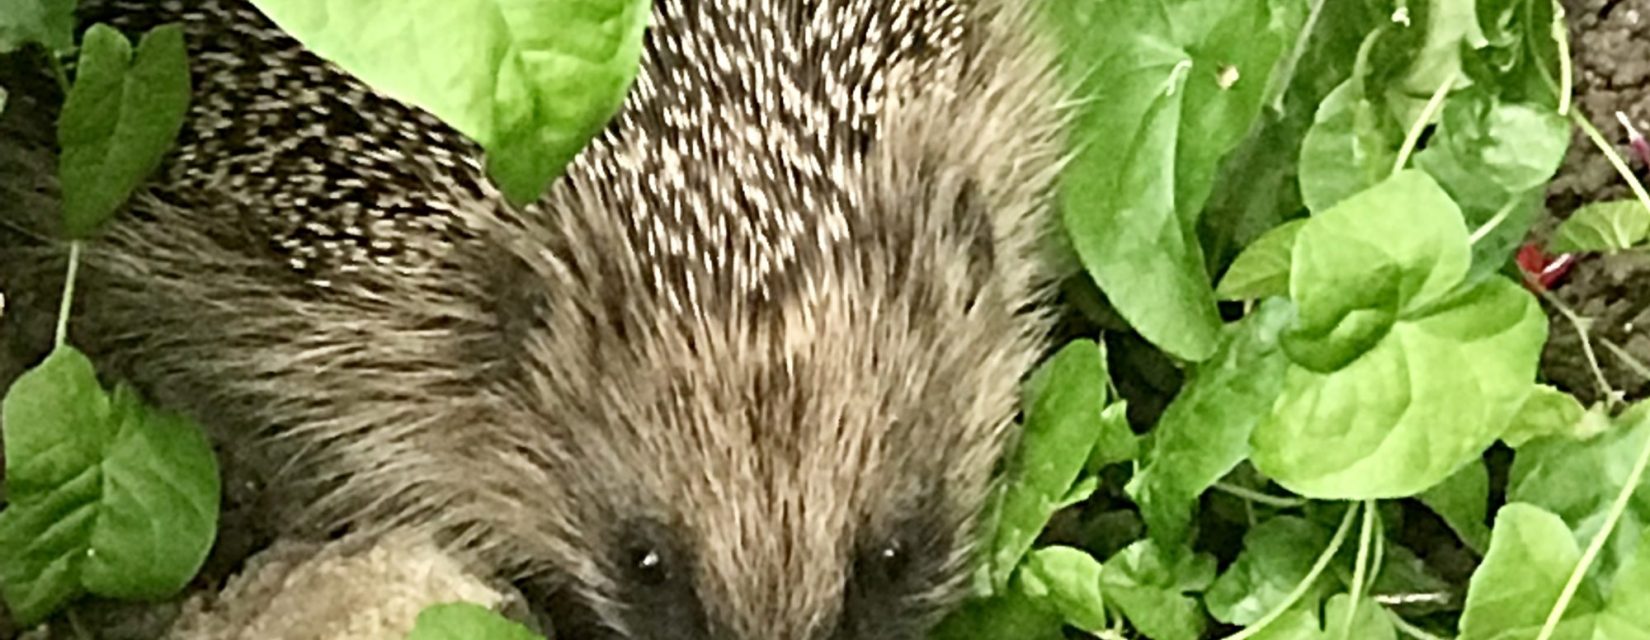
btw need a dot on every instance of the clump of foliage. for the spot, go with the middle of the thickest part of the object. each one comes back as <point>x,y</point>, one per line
<point>1312,207</point>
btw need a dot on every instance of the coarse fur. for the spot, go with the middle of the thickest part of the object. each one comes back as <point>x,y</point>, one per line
<point>743,373</point>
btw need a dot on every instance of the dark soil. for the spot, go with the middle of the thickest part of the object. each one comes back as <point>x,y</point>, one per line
<point>1611,49</point>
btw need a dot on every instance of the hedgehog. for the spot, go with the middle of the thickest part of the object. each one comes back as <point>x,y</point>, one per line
<point>745,371</point>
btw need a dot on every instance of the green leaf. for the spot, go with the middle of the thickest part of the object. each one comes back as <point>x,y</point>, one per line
<point>1064,399</point>
<point>1547,411</point>
<point>1398,378</point>
<point>158,514</point>
<point>1495,159</point>
<point>466,621</point>
<point>1369,621</point>
<point>1462,500</point>
<point>1603,226</point>
<point>1009,616</point>
<point>1262,270</point>
<point>119,120</point>
<point>56,421</point>
<point>1162,114</point>
<point>1069,578</point>
<point>1579,479</point>
<point>1531,555</point>
<point>1149,588</point>
<point>47,22</point>
<point>1277,555</point>
<point>107,497</point>
<point>1430,397</point>
<point>1117,442</point>
<point>1204,433</point>
<point>1351,145</point>
<point>532,81</point>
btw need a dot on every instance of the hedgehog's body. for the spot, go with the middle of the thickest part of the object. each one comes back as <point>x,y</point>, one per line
<point>742,374</point>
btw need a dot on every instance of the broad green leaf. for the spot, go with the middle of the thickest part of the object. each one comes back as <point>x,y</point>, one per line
<point>1149,589</point>
<point>1204,433</point>
<point>1495,159</point>
<point>57,423</point>
<point>466,621</point>
<point>107,497</point>
<point>1520,58</point>
<point>47,22</point>
<point>1446,26</point>
<point>1531,555</point>
<point>1262,270</point>
<point>1579,479</point>
<point>1258,186</point>
<point>1462,500</point>
<point>1009,616</point>
<point>1351,146</point>
<point>1160,108</point>
<point>119,120</point>
<point>1064,399</point>
<point>1368,621</point>
<point>1546,412</point>
<point>1432,394</point>
<point>532,81</point>
<point>158,514</point>
<point>1068,578</point>
<point>1603,226</point>
<point>1277,555</point>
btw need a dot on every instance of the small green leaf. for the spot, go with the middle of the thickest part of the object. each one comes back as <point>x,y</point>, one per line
<point>1069,578</point>
<point>47,22</point>
<point>119,120</point>
<point>1547,411</point>
<point>1064,399</point>
<point>1262,270</point>
<point>532,81</point>
<point>1603,226</point>
<point>1277,555</point>
<point>1462,500</point>
<point>158,514</point>
<point>1531,555</point>
<point>1351,146</point>
<point>107,497</point>
<point>1117,441</point>
<point>1204,433</point>
<point>1011,615</point>
<point>466,621</point>
<point>1149,589</point>
<point>57,423</point>
<point>1150,140</point>
<point>1579,480</point>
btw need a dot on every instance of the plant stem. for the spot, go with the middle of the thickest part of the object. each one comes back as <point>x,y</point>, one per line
<point>64,305</point>
<point>1586,344</point>
<point>61,75</point>
<point>1500,216</point>
<point>1256,496</point>
<point>1627,358</point>
<point>1615,158</point>
<point>1413,137</point>
<point>1561,37</point>
<point>1360,567</point>
<point>1305,583</point>
<point>1408,629</point>
<point>1597,545</point>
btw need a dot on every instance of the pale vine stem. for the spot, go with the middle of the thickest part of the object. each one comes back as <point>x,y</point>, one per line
<point>62,335</point>
<point>1617,507</point>
<point>1408,629</point>
<point>1413,136</point>
<point>1614,158</point>
<point>1255,496</point>
<point>1561,38</point>
<point>1580,327</point>
<point>1360,568</point>
<point>1627,358</point>
<point>1305,583</point>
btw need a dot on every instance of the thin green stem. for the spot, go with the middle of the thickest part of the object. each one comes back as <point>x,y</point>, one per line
<point>61,75</point>
<point>1305,583</point>
<point>1500,217</point>
<point>1627,358</point>
<point>1360,568</point>
<point>1256,496</point>
<point>1615,158</point>
<point>64,305</point>
<point>1413,136</point>
<point>1408,629</point>
<point>1580,327</point>
<point>1561,37</point>
<point>1587,557</point>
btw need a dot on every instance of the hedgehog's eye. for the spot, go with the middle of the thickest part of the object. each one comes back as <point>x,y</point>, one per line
<point>649,566</point>
<point>888,563</point>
